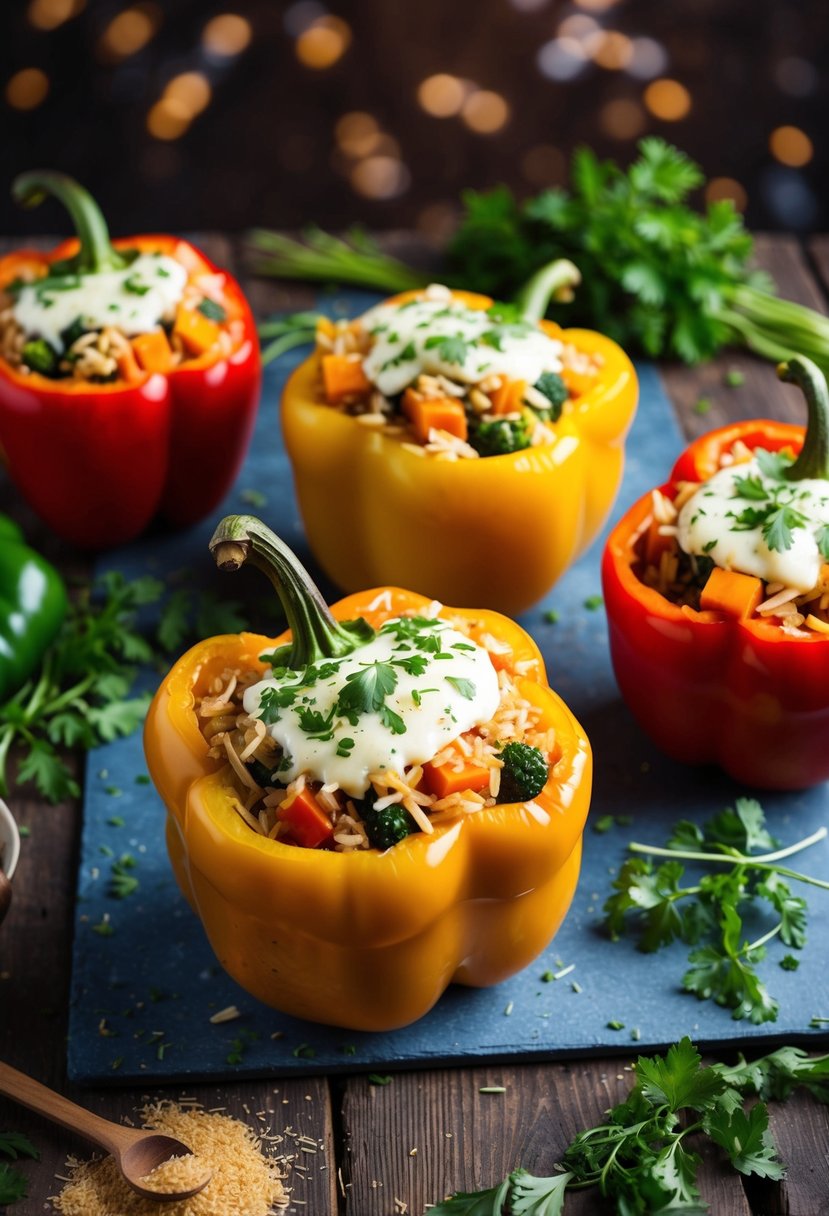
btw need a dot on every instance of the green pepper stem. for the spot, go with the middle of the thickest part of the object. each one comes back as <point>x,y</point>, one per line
<point>96,252</point>
<point>315,634</point>
<point>813,460</point>
<point>555,281</point>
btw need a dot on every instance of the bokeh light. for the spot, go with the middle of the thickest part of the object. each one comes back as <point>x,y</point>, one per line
<point>485,112</point>
<point>323,43</point>
<point>438,221</point>
<point>442,95</point>
<point>578,25</point>
<point>191,90</point>
<point>380,177</point>
<point>130,31</point>
<point>357,133</point>
<point>597,6</point>
<point>796,77</point>
<point>544,165</point>
<point>648,58</point>
<point>300,15</point>
<point>791,147</point>
<point>49,14</point>
<point>668,100</point>
<point>27,89</point>
<point>720,188</point>
<point>561,59</point>
<point>226,35</point>
<point>610,49</point>
<point>168,119</point>
<point>622,118</point>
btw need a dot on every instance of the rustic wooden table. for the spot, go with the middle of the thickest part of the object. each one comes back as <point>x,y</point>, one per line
<point>397,1148</point>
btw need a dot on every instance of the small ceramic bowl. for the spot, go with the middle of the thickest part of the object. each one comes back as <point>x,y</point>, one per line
<point>9,848</point>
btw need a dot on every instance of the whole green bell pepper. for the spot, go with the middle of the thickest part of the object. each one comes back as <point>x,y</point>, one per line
<point>32,607</point>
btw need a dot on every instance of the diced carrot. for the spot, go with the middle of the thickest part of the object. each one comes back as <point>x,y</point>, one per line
<point>732,593</point>
<point>577,383</point>
<point>307,823</point>
<point>196,331</point>
<point>444,779</point>
<point>128,367</point>
<point>655,543</point>
<point>153,351</point>
<point>508,398</point>
<point>343,376</point>
<point>438,413</point>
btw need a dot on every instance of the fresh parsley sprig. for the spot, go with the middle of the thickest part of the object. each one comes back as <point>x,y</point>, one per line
<point>13,1185</point>
<point>643,1158</point>
<point>707,913</point>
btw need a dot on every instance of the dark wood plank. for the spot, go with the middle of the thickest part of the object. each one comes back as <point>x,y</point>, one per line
<point>818,248</point>
<point>426,1135</point>
<point>761,396</point>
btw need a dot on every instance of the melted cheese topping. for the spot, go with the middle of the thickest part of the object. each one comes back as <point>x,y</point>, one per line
<point>717,521</point>
<point>430,684</point>
<point>441,337</point>
<point>134,300</point>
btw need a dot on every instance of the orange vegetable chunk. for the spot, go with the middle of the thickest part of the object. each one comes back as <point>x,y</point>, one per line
<point>508,398</point>
<point>153,351</point>
<point>128,367</point>
<point>342,377</point>
<point>444,779</point>
<point>439,413</point>
<point>306,821</point>
<point>196,331</point>
<point>732,593</point>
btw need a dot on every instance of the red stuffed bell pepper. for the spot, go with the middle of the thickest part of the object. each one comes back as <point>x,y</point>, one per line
<point>129,376</point>
<point>718,599</point>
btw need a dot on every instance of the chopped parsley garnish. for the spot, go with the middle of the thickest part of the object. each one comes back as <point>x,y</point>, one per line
<point>465,688</point>
<point>273,700</point>
<point>344,747</point>
<point>450,349</point>
<point>772,464</point>
<point>135,286</point>
<point>366,691</point>
<point>213,311</point>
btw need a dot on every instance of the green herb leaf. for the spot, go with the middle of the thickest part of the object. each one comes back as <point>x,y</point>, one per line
<point>464,688</point>
<point>474,1203</point>
<point>13,1185</point>
<point>16,1145</point>
<point>365,691</point>
<point>747,1140</point>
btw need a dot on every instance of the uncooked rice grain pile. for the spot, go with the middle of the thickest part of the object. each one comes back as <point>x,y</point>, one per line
<point>245,1181</point>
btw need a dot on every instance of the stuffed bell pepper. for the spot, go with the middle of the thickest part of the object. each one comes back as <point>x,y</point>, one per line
<point>467,448</point>
<point>384,800</point>
<point>717,594</point>
<point>129,376</point>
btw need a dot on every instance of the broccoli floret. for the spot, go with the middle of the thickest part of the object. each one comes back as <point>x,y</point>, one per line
<point>76,329</point>
<point>500,436</point>
<point>387,827</point>
<point>551,386</point>
<point>524,774</point>
<point>40,357</point>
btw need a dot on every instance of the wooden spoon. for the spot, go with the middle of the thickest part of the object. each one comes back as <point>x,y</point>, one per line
<point>136,1152</point>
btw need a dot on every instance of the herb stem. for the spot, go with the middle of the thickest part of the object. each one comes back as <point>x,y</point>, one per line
<point>762,861</point>
<point>761,941</point>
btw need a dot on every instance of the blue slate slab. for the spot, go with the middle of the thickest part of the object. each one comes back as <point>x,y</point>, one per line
<point>143,995</point>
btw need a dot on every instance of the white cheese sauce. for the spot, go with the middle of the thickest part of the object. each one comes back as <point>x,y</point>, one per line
<point>133,300</point>
<point>441,337</point>
<point>709,523</point>
<point>456,689</point>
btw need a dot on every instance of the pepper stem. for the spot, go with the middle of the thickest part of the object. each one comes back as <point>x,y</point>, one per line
<point>813,460</point>
<point>96,252</point>
<point>315,634</point>
<point>555,281</point>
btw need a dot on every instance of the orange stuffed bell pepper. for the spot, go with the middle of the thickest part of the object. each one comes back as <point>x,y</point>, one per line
<point>466,448</point>
<point>129,376</point>
<point>717,593</point>
<point>355,811</point>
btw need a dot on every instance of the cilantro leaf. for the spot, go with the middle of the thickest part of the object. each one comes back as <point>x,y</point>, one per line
<point>750,487</point>
<point>727,976</point>
<point>531,1196</point>
<point>464,688</point>
<point>676,1079</point>
<point>777,529</point>
<point>741,827</point>
<point>49,773</point>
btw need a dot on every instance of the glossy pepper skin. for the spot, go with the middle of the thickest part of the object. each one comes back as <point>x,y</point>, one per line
<point>497,531</point>
<point>98,462</point>
<point>32,607</point>
<point>368,940</point>
<point>712,689</point>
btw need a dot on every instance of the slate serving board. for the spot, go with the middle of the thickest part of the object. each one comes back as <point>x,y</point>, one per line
<point>142,996</point>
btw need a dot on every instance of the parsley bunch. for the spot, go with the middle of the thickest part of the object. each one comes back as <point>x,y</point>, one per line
<point>708,913</point>
<point>658,274</point>
<point>12,1183</point>
<point>642,1158</point>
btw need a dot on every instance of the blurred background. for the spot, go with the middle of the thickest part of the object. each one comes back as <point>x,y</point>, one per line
<point>188,114</point>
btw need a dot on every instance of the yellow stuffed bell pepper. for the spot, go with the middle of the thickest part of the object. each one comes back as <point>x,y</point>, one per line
<point>367,938</point>
<point>382,504</point>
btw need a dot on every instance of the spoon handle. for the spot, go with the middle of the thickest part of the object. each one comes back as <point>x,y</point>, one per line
<point>28,1092</point>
